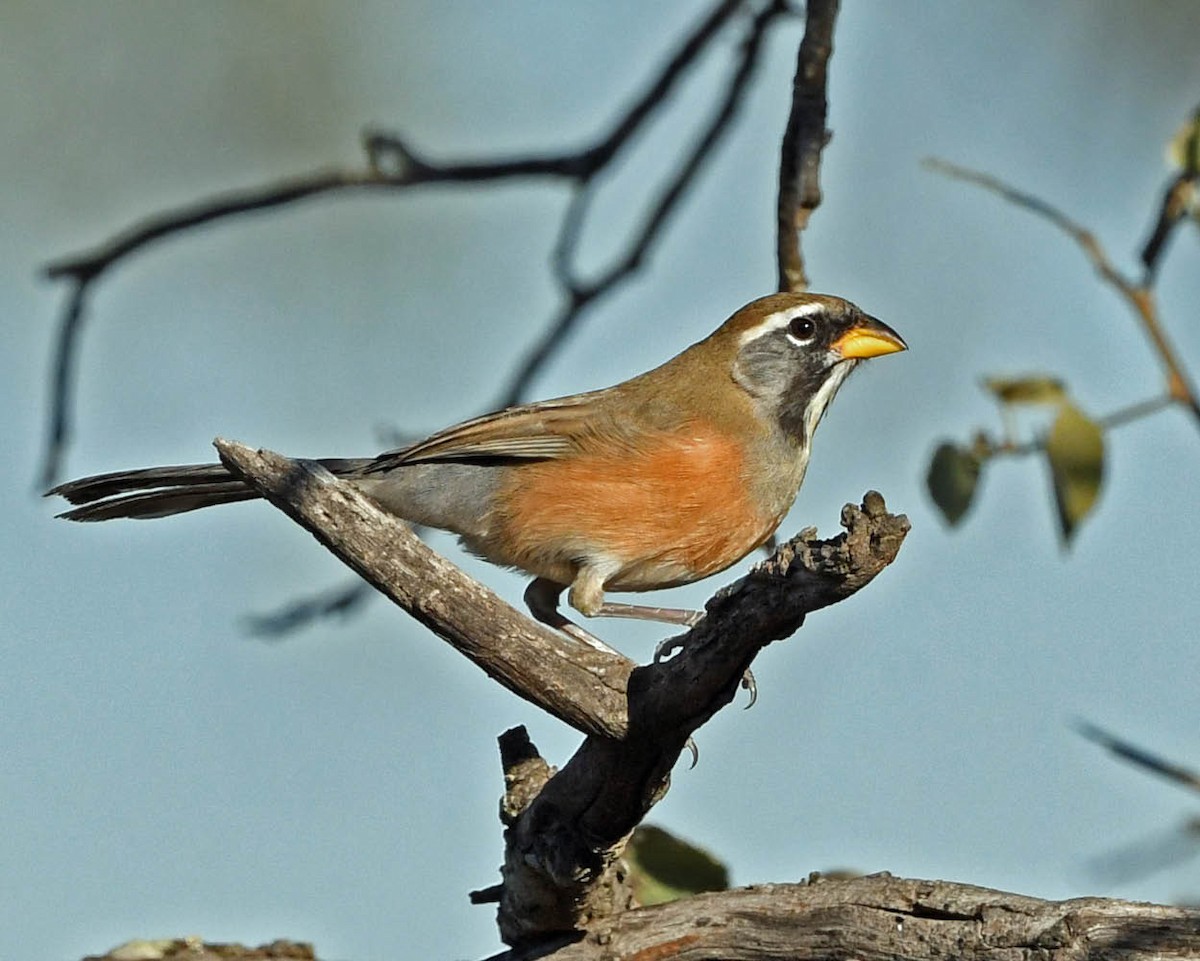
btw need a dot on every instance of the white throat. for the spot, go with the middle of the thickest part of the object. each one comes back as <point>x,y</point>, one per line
<point>820,400</point>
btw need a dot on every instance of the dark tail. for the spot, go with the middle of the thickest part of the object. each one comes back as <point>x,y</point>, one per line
<point>163,491</point>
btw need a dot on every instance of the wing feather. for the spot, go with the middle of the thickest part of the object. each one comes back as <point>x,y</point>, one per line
<point>541,431</point>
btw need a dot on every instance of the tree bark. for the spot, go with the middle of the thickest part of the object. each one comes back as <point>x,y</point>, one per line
<point>881,917</point>
<point>565,832</point>
<point>876,918</point>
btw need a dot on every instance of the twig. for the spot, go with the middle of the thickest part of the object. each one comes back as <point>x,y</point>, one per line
<point>1140,298</point>
<point>803,141</point>
<point>1139,757</point>
<point>582,294</point>
<point>986,447</point>
<point>392,164</point>
<point>339,601</point>
<point>1149,854</point>
<point>62,382</point>
<point>1178,199</point>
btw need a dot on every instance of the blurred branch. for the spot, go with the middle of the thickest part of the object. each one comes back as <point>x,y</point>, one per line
<point>337,601</point>
<point>804,139</point>
<point>394,164</point>
<point>1139,757</point>
<point>1151,854</point>
<point>1148,855</point>
<point>582,293</point>
<point>1179,198</point>
<point>1139,297</point>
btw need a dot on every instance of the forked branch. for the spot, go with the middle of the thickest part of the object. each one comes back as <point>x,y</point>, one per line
<point>563,849</point>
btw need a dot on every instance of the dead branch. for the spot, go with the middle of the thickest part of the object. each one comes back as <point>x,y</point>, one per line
<point>562,864</point>
<point>584,687</point>
<point>881,917</point>
<point>876,918</point>
<point>581,686</point>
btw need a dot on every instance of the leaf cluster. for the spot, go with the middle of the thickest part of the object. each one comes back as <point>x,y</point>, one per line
<point>1073,449</point>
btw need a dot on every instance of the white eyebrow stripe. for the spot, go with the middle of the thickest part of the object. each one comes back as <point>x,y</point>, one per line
<point>779,320</point>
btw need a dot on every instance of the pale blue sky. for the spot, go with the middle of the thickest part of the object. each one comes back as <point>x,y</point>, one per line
<point>165,775</point>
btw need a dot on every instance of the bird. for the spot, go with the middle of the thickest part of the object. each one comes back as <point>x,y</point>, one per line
<point>661,480</point>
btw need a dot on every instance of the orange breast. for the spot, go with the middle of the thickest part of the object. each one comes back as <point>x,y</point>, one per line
<point>668,512</point>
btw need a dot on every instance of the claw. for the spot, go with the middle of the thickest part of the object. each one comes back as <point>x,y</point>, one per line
<point>695,752</point>
<point>666,648</point>
<point>749,684</point>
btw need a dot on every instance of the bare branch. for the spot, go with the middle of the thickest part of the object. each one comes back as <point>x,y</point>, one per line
<point>338,601</point>
<point>1139,298</point>
<point>1162,850</point>
<point>562,867</point>
<point>885,917</point>
<point>803,141</point>
<point>872,917</point>
<point>582,294</point>
<point>581,686</point>
<point>394,164</point>
<point>62,383</point>
<point>1177,201</point>
<point>563,848</point>
<point>1139,757</point>
<point>195,948</point>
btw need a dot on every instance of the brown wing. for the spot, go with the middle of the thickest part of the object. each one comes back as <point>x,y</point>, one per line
<point>540,431</point>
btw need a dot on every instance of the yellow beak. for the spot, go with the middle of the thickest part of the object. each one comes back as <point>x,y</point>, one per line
<point>871,338</point>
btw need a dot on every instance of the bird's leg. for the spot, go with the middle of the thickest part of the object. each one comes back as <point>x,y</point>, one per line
<point>541,597</point>
<point>667,615</point>
<point>587,597</point>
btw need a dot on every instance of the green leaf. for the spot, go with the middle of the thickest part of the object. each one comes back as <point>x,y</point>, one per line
<point>952,478</point>
<point>664,868</point>
<point>1075,452</point>
<point>1183,152</point>
<point>1030,389</point>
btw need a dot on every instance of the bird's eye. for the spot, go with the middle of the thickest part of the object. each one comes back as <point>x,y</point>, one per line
<point>801,330</point>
